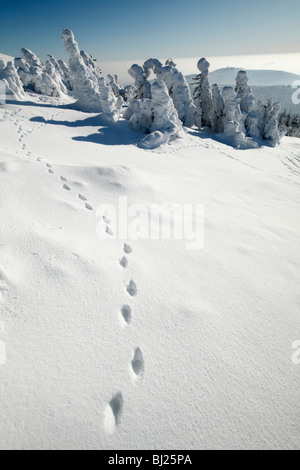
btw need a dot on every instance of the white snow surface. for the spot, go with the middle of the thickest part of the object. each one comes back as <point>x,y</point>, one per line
<point>205,361</point>
<point>6,58</point>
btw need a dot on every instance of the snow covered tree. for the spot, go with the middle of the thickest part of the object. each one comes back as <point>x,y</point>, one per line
<point>115,85</point>
<point>85,82</point>
<point>43,79</point>
<point>54,71</point>
<point>66,74</point>
<point>248,104</point>
<point>55,64</point>
<point>91,64</point>
<point>232,110</point>
<point>45,85</point>
<point>288,120</point>
<point>10,78</point>
<point>156,117</point>
<point>295,126</point>
<point>217,110</point>
<point>251,125</point>
<point>178,89</point>
<point>170,62</point>
<point>271,130</point>
<point>165,117</point>
<point>246,99</point>
<point>31,58</point>
<point>232,118</point>
<point>34,75</point>
<point>139,115</point>
<point>128,93</point>
<point>108,101</point>
<point>24,72</point>
<point>153,65</point>
<point>268,122</point>
<point>289,125</point>
<point>281,124</point>
<point>202,93</point>
<point>142,85</point>
<point>262,113</point>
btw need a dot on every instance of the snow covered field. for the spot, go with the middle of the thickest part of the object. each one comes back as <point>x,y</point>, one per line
<point>205,361</point>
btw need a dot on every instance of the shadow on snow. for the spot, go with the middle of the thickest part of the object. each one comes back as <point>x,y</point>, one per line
<point>38,105</point>
<point>108,134</point>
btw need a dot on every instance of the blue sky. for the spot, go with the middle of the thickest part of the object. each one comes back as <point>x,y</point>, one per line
<point>137,29</point>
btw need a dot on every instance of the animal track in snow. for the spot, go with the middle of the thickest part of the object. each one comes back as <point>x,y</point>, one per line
<point>126,313</point>
<point>67,188</point>
<point>87,206</point>
<point>138,362</point>
<point>106,220</point>
<point>127,249</point>
<point>113,413</point>
<point>132,289</point>
<point>109,231</point>
<point>124,262</point>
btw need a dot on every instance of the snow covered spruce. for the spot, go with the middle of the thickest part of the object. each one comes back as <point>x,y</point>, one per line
<point>233,122</point>
<point>42,79</point>
<point>159,109</point>
<point>236,116</point>
<point>155,116</point>
<point>110,104</point>
<point>141,84</point>
<point>85,81</point>
<point>13,87</point>
<point>259,121</point>
<point>89,87</point>
<point>177,86</point>
<point>203,95</point>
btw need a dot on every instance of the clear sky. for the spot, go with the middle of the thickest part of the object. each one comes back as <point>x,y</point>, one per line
<point>114,30</point>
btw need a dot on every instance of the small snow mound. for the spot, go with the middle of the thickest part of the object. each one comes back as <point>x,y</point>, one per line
<point>153,140</point>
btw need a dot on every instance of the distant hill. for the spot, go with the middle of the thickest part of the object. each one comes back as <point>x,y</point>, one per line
<point>227,77</point>
<point>277,93</point>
